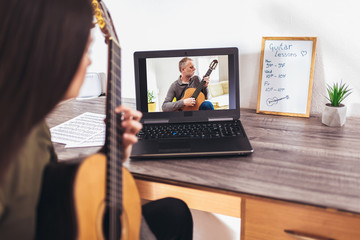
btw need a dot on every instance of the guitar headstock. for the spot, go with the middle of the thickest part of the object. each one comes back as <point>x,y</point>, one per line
<point>104,20</point>
<point>213,64</point>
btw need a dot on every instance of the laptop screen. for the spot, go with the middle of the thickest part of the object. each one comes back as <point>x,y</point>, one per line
<point>166,80</point>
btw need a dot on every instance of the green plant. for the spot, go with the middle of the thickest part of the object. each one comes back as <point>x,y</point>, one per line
<point>337,93</point>
<point>150,96</point>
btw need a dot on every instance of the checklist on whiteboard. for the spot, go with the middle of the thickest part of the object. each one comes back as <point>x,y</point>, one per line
<point>286,76</point>
<point>85,130</point>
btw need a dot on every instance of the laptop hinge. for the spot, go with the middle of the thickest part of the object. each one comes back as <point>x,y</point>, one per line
<point>220,119</point>
<point>156,121</point>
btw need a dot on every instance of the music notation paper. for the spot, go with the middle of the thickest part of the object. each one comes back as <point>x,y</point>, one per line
<point>85,130</point>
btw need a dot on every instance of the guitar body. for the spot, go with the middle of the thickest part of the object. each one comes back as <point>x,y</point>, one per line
<point>89,198</point>
<point>199,100</point>
<point>72,203</point>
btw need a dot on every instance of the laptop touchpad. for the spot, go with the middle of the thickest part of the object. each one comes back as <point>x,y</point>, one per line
<point>174,146</point>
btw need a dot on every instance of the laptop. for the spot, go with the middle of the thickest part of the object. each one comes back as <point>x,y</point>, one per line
<point>183,132</point>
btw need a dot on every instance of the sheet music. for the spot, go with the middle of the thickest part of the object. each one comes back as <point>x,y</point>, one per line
<point>85,130</point>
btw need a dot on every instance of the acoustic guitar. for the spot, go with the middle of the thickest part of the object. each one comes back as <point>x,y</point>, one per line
<point>94,198</point>
<point>196,92</point>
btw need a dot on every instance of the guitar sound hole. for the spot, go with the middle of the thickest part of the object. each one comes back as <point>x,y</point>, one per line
<point>107,231</point>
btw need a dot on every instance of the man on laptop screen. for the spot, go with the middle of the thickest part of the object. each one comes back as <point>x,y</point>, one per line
<point>189,92</point>
<point>183,90</point>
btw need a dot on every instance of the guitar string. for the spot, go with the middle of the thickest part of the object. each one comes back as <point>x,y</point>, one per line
<point>109,160</point>
<point>112,149</point>
<point>111,214</point>
<point>118,128</point>
<point>116,168</point>
<point>114,145</point>
<point>113,220</point>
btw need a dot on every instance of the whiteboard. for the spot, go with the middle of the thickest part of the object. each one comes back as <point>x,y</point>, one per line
<point>286,75</point>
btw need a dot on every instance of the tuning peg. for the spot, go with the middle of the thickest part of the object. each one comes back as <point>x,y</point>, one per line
<point>100,22</point>
<point>97,13</point>
<point>95,4</point>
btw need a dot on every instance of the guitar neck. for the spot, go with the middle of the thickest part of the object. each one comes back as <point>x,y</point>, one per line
<point>209,71</point>
<point>113,140</point>
<point>201,86</point>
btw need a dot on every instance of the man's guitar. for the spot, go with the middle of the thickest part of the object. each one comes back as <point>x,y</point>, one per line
<point>105,202</point>
<point>196,92</point>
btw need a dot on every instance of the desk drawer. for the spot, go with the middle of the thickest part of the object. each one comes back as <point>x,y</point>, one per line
<point>204,200</point>
<point>266,219</point>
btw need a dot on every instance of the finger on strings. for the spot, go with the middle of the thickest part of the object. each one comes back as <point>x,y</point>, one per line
<point>121,108</point>
<point>128,113</point>
<point>129,139</point>
<point>132,115</point>
<point>132,127</point>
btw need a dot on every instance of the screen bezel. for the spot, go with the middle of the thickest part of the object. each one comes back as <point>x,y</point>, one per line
<point>188,116</point>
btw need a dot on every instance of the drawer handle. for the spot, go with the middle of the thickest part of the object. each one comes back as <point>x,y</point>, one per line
<point>305,236</point>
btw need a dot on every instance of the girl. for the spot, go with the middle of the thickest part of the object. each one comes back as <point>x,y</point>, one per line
<point>43,60</point>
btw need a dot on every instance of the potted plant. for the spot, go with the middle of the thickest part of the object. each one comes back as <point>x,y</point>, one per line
<point>151,103</point>
<point>334,114</point>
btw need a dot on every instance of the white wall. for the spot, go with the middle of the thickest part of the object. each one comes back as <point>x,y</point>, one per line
<point>164,24</point>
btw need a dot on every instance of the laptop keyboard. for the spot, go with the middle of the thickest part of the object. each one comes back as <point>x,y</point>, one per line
<point>191,130</point>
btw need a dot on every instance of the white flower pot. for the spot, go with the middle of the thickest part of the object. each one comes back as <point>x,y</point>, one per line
<point>334,116</point>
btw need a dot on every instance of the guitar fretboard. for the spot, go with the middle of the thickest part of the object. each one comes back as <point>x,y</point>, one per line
<point>202,83</point>
<point>113,143</point>
<point>113,131</point>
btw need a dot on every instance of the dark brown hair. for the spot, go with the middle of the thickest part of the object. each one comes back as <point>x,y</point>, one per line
<point>41,46</point>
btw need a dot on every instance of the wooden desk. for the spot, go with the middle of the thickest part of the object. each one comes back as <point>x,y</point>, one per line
<point>302,177</point>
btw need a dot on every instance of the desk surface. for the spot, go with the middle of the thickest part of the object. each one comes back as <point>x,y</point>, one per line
<point>295,159</point>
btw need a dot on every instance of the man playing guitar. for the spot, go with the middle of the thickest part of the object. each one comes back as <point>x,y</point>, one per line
<point>186,80</point>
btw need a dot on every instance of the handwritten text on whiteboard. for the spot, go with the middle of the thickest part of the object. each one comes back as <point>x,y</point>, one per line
<point>285,76</point>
